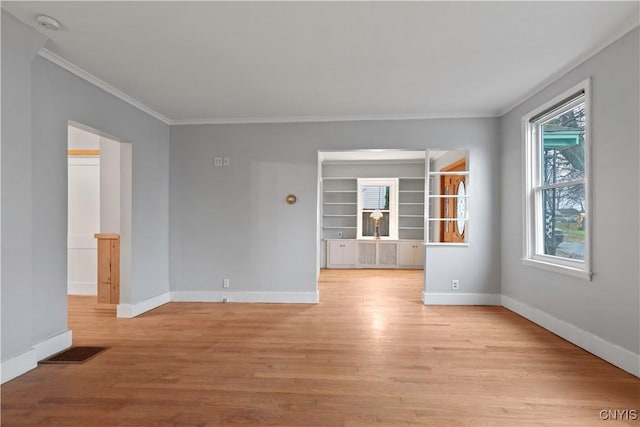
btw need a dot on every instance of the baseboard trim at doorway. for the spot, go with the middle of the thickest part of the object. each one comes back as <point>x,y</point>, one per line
<point>433,298</point>
<point>128,311</point>
<point>23,363</point>
<point>246,297</point>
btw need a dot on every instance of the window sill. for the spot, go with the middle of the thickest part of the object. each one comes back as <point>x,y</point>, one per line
<point>557,268</point>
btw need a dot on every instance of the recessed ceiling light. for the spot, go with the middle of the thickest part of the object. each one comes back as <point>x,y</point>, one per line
<point>48,22</point>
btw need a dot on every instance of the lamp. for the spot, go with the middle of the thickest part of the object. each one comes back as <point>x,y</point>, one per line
<point>377,215</point>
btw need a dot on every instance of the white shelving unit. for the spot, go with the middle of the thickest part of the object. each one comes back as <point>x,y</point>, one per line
<point>411,208</point>
<point>339,207</point>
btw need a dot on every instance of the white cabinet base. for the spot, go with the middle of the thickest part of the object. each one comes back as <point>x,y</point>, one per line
<point>352,253</point>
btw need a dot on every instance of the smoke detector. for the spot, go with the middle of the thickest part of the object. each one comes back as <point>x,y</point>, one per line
<point>48,23</point>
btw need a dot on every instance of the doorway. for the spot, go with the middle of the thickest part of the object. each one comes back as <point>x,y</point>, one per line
<point>99,202</point>
<point>371,211</point>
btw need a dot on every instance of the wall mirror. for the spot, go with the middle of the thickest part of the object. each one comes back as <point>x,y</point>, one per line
<point>448,207</point>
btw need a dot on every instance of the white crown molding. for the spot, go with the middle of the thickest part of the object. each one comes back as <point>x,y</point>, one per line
<point>323,119</point>
<point>629,25</point>
<point>74,69</point>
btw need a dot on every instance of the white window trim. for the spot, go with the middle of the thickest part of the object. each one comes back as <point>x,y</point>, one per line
<point>393,207</point>
<point>581,269</point>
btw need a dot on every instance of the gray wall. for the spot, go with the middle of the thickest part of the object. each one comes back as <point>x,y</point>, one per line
<point>19,46</point>
<point>477,267</point>
<point>233,222</point>
<point>109,186</point>
<point>34,166</point>
<point>609,305</point>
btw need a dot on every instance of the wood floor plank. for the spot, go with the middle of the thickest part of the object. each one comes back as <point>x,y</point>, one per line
<point>370,353</point>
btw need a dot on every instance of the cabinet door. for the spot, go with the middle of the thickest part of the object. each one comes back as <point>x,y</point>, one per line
<point>341,253</point>
<point>410,254</point>
<point>334,251</point>
<point>418,254</point>
<point>349,252</point>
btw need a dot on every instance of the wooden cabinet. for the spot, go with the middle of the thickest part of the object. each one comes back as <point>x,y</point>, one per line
<point>410,254</point>
<point>351,253</point>
<point>108,268</point>
<point>341,253</point>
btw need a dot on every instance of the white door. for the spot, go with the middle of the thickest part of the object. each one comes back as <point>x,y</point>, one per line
<point>83,222</point>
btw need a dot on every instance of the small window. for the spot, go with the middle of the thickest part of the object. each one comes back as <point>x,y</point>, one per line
<point>557,192</point>
<point>377,208</point>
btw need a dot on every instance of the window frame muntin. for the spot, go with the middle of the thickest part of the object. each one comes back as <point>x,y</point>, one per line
<point>533,187</point>
<point>393,183</point>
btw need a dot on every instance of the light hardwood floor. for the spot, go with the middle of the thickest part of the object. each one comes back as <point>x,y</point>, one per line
<point>369,354</point>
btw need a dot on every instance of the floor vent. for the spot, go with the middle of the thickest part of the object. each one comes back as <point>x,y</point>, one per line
<point>75,355</point>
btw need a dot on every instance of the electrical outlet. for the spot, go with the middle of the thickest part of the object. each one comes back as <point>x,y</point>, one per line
<point>455,285</point>
<point>225,283</point>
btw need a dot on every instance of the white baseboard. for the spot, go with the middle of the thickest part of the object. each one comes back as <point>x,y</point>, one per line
<point>82,288</point>
<point>53,345</point>
<point>612,353</point>
<point>439,298</point>
<point>28,360</point>
<point>255,297</point>
<point>18,365</point>
<point>133,310</point>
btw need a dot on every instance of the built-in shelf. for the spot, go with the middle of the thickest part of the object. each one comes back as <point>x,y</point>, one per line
<point>339,213</point>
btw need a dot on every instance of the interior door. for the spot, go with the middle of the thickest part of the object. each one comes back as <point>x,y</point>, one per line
<point>449,184</point>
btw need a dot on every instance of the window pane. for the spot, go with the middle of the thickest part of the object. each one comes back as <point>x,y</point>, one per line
<point>564,222</point>
<point>563,146</point>
<point>375,197</point>
<point>369,224</point>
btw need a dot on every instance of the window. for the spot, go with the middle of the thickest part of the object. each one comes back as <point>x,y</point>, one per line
<point>557,184</point>
<point>377,198</point>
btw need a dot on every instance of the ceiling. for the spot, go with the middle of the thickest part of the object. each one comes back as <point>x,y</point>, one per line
<point>217,62</point>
